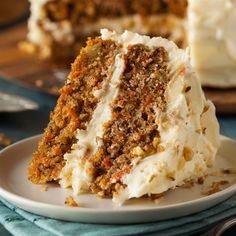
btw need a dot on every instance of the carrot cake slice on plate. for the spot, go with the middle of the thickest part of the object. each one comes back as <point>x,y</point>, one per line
<point>131,120</point>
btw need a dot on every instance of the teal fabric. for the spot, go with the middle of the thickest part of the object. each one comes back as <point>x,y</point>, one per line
<point>18,222</point>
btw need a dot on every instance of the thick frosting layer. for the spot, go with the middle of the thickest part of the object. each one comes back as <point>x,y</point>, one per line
<point>212,39</point>
<point>189,131</point>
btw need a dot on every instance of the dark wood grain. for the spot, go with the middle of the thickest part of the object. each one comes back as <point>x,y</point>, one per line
<point>28,70</point>
<point>224,99</point>
<point>12,10</point>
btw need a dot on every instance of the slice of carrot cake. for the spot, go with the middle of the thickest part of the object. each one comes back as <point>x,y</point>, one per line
<point>131,121</point>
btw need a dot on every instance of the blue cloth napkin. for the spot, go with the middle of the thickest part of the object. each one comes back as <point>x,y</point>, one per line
<point>20,222</point>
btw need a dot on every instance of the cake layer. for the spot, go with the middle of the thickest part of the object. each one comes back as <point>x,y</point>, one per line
<point>80,11</point>
<point>74,109</point>
<point>79,169</point>
<point>212,40</point>
<point>156,131</point>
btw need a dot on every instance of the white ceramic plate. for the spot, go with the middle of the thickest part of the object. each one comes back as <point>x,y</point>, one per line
<point>15,188</point>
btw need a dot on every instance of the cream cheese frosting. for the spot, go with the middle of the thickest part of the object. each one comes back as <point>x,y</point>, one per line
<point>189,131</point>
<point>212,40</point>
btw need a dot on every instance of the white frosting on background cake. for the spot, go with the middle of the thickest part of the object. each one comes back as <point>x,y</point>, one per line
<point>212,38</point>
<point>189,131</point>
<point>43,38</point>
<point>211,30</point>
<point>43,32</point>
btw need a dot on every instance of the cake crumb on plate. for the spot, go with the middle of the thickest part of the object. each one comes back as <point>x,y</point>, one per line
<point>70,201</point>
<point>214,187</point>
<point>44,188</point>
<point>4,140</point>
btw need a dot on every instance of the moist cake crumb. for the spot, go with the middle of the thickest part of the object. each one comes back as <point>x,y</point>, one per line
<point>214,187</point>
<point>44,188</point>
<point>229,171</point>
<point>4,140</point>
<point>157,198</point>
<point>70,201</point>
<point>202,179</point>
<point>188,184</point>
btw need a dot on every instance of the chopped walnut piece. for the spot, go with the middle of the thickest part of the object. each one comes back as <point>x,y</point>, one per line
<point>229,171</point>
<point>188,154</point>
<point>156,198</point>
<point>4,140</point>
<point>205,109</point>
<point>70,201</point>
<point>188,184</point>
<point>152,178</point>
<point>181,164</point>
<point>138,151</point>
<point>202,179</point>
<point>214,187</point>
<point>44,188</point>
<point>223,182</point>
<point>204,130</point>
<point>160,148</point>
<point>188,88</point>
<point>171,175</point>
<point>156,142</point>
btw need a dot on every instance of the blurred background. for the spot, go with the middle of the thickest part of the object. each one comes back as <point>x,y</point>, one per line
<point>12,11</point>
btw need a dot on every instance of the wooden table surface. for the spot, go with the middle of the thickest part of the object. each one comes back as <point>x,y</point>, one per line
<point>9,14</point>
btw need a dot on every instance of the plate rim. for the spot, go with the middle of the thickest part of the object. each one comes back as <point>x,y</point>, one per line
<point>13,198</point>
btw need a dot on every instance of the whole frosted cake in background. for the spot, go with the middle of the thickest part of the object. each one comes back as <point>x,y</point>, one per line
<point>131,121</point>
<point>59,28</point>
<point>212,38</point>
